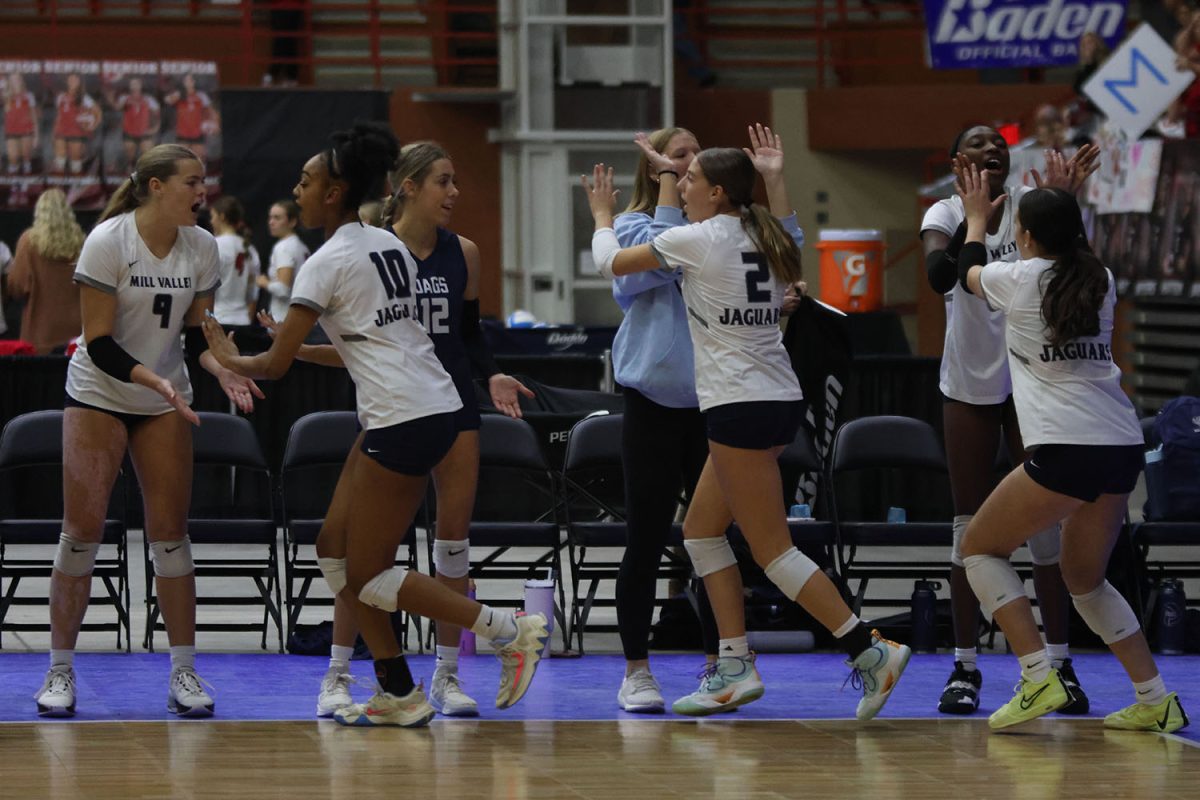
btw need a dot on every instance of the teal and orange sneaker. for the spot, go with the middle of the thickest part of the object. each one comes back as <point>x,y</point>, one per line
<point>724,685</point>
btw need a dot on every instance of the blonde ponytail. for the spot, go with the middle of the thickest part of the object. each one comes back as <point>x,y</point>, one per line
<point>773,242</point>
<point>160,161</point>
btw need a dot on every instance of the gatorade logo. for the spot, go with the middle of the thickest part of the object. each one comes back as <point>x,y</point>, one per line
<point>999,22</point>
<point>853,266</point>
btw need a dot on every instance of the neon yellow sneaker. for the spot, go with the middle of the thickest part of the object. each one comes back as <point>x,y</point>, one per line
<point>1166,717</point>
<point>1031,701</point>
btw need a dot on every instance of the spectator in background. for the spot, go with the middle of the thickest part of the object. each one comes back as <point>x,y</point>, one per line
<point>1163,16</point>
<point>43,274</point>
<point>1084,116</point>
<point>1049,127</point>
<point>1187,52</point>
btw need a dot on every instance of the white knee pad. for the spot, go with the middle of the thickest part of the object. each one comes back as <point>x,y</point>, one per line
<point>1045,547</point>
<point>451,557</point>
<point>709,555</point>
<point>172,559</point>
<point>960,530</point>
<point>75,558</point>
<point>790,572</point>
<point>380,591</point>
<point>994,581</point>
<point>1106,613</point>
<point>334,570</point>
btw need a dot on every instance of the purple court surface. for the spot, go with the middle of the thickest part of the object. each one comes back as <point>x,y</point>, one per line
<point>121,687</point>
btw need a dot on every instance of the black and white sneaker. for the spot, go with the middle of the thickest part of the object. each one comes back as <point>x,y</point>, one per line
<point>56,698</point>
<point>1079,701</point>
<point>186,696</point>
<point>961,695</point>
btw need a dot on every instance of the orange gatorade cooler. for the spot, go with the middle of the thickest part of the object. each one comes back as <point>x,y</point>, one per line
<point>852,269</point>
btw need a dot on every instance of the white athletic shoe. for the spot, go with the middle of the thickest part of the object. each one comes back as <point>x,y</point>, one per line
<point>335,692</point>
<point>447,696</point>
<point>725,685</point>
<point>519,658</point>
<point>409,711</point>
<point>56,698</point>
<point>186,696</point>
<point>876,671</point>
<point>640,693</point>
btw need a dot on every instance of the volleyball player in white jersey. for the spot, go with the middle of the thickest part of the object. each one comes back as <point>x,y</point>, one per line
<point>978,409</point>
<point>361,284</point>
<point>1057,301</point>
<point>146,273</point>
<point>737,261</point>
<point>235,299</point>
<point>287,256</point>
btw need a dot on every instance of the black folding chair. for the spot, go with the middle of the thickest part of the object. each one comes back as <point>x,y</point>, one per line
<point>31,515</point>
<point>894,461</point>
<point>316,451</point>
<point>231,506</point>
<point>514,531</point>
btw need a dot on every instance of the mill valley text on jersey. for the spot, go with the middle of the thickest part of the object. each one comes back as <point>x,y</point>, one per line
<point>159,282</point>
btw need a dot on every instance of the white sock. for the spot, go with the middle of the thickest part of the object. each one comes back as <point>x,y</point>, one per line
<point>62,658</point>
<point>736,647</point>
<point>1035,667</point>
<point>967,656</point>
<point>1151,692</point>
<point>847,626</point>
<point>447,658</point>
<point>339,657</point>
<point>1058,653</point>
<point>499,626</point>
<point>183,655</point>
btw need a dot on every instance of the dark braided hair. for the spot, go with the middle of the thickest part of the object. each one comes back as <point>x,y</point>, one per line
<point>362,157</point>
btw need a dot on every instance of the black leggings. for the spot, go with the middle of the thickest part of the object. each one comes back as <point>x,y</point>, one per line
<point>663,450</point>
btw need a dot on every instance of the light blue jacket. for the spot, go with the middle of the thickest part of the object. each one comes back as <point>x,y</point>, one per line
<point>652,352</point>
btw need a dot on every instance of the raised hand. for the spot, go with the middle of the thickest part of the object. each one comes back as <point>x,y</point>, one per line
<point>602,197</point>
<point>658,161</point>
<point>767,152</point>
<point>973,188</point>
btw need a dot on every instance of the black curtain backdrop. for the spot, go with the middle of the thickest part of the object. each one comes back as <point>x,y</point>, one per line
<point>270,133</point>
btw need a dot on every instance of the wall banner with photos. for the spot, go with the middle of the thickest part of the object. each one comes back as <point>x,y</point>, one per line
<point>80,125</point>
<point>1157,253</point>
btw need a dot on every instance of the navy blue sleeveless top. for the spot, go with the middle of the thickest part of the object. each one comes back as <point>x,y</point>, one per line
<point>441,283</point>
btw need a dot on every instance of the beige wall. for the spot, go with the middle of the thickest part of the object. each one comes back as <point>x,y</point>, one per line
<point>864,190</point>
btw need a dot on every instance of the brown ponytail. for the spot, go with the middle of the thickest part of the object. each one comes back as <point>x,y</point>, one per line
<point>732,170</point>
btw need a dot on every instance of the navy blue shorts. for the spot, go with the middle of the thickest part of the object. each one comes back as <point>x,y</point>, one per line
<point>130,421</point>
<point>414,447</point>
<point>757,425</point>
<point>1086,471</point>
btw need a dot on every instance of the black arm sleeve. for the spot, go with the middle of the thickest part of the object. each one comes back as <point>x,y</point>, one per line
<point>194,342</point>
<point>973,254</point>
<point>111,358</point>
<point>942,265</point>
<point>478,352</point>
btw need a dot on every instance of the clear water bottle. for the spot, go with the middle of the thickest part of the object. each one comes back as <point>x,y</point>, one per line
<point>1170,618</point>
<point>924,616</point>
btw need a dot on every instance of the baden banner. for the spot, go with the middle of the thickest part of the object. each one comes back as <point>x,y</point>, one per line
<point>972,34</point>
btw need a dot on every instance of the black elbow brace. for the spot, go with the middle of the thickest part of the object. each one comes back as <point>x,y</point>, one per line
<point>194,343</point>
<point>476,345</point>
<point>973,254</point>
<point>111,358</point>
<point>941,266</point>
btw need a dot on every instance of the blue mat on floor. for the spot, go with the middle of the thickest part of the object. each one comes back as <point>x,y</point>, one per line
<point>808,686</point>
